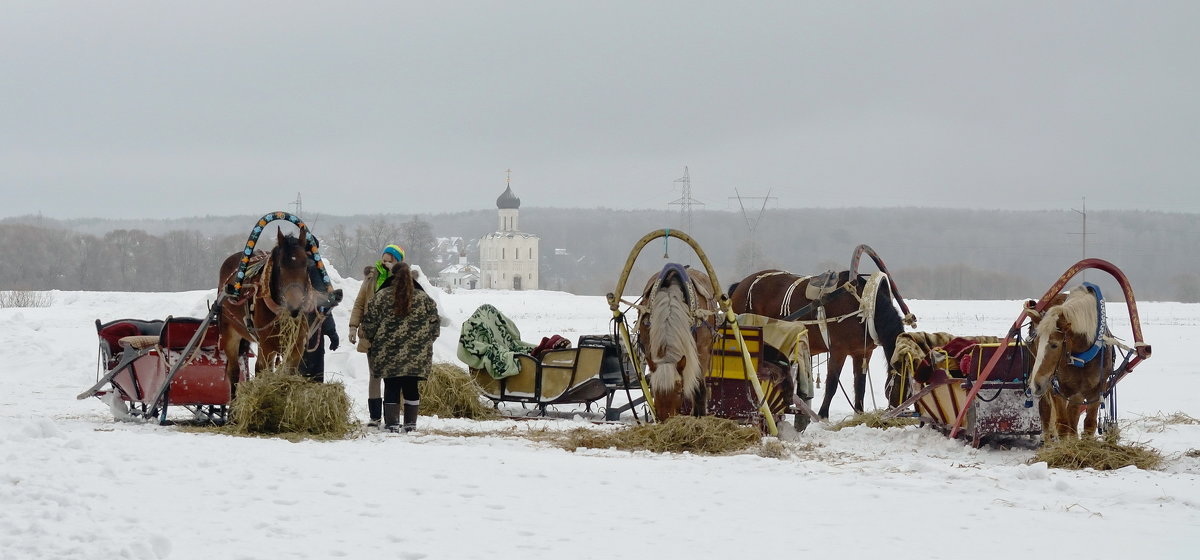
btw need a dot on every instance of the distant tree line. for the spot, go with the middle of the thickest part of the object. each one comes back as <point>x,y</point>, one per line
<point>932,253</point>
<point>49,257</point>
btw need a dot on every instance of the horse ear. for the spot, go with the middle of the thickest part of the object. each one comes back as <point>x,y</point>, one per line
<point>1034,316</point>
<point>1064,324</point>
<point>304,235</point>
<point>279,237</point>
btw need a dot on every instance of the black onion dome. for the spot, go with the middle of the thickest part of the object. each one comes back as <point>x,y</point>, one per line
<point>508,200</point>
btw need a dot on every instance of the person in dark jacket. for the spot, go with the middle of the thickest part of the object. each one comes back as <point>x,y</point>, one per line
<point>312,364</point>
<point>400,323</point>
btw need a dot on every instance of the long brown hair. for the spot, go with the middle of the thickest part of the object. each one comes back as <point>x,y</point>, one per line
<point>402,288</point>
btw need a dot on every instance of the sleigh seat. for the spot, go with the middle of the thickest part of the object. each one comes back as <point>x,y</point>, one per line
<point>567,375</point>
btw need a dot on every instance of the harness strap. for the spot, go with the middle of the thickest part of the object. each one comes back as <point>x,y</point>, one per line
<point>786,304</point>
<point>1078,360</point>
<point>819,302</point>
<point>750,291</point>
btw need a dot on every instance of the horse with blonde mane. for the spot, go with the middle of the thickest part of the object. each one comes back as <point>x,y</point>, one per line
<point>676,330</point>
<point>1072,362</point>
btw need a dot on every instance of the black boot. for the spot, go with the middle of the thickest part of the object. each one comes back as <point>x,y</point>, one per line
<point>391,417</point>
<point>410,415</point>
<point>375,408</point>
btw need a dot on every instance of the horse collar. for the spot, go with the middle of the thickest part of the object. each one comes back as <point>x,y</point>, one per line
<point>1078,360</point>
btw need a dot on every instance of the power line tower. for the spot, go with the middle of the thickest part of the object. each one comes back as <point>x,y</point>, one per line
<point>685,202</point>
<point>1084,234</point>
<point>752,226</point>
<point>298,205</point>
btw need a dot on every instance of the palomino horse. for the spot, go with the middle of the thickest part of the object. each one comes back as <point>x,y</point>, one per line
<point>676,330</point>
<point>838,312</point>
<point>279,293</point>
<point>1072,363</point>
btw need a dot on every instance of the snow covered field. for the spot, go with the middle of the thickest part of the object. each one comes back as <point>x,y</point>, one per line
<point>76,484</point>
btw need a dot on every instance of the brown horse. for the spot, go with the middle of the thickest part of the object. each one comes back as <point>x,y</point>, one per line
<point>676,330</point>
<point>783,295</point>
<point>279,294</point>
<point>1064,378</point>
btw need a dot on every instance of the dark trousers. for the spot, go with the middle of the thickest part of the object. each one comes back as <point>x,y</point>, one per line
<point>394,387</point>
<point>312,364</point>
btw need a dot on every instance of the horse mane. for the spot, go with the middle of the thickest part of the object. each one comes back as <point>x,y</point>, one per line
<point>671,338</point>
<point>1079,309</point>
<point>888,322</point>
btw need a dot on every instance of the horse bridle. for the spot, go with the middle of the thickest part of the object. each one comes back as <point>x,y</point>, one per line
<point>1054,383</point>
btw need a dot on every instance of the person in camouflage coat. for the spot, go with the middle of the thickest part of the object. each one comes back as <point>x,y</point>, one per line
<point>400,323</point>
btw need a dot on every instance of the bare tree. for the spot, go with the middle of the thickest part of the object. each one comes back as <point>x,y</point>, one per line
<point>416,236</point>
<point>344,246</point>
<point>377,234</point>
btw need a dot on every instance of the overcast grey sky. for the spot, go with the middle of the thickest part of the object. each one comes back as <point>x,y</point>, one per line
<point>166,108</point>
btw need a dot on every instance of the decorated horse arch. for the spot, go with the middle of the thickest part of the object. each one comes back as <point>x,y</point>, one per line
<point>702,358</point>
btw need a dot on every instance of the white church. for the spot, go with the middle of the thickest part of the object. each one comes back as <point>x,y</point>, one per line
<point>508,257</point>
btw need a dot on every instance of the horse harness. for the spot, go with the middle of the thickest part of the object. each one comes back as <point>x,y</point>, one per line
<point>1082,358</point>
<point>689,293</point>
<point>817,304</point>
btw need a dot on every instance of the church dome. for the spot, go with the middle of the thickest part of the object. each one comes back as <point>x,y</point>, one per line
<point>508,200</point>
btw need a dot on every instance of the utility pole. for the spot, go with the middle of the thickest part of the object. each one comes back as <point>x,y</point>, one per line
<point>752,228</point>
<point>685,202</point>
<point>1084,234</point>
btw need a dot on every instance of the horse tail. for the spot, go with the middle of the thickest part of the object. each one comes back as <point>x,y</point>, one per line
<point>887,320</point>
<point>670,340</point>
<point>732,288</point>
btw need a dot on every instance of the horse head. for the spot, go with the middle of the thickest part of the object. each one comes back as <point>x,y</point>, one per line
<point>677,338</point>
<point>1064,329</point>
<point>290,287</point>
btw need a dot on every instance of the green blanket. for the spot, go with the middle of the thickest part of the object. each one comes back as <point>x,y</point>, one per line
<point>489,341</point>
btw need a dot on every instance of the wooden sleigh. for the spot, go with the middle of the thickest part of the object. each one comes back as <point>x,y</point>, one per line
<point>149,365</point>
<point>581,375</point>
<point>942,381</point>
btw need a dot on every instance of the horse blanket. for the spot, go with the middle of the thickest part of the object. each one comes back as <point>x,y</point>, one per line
<point>490,341</point>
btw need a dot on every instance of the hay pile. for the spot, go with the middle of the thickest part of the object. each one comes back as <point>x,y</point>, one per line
<point>874,419</point>
<point>279,402</point>
<point>451,393</point>
<point>1102,454</point>
<point>706,435</point>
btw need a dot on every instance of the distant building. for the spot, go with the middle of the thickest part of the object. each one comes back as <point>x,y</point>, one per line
<point>461,276</point>
<point>508,257</point>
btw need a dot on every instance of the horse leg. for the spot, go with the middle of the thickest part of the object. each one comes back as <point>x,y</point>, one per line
<point>1046,413</point>
<point>1089,419</point>
<point>1067,416</point>
<point>233,371</point>
<point>860,381</point>
<point>834,365</point>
